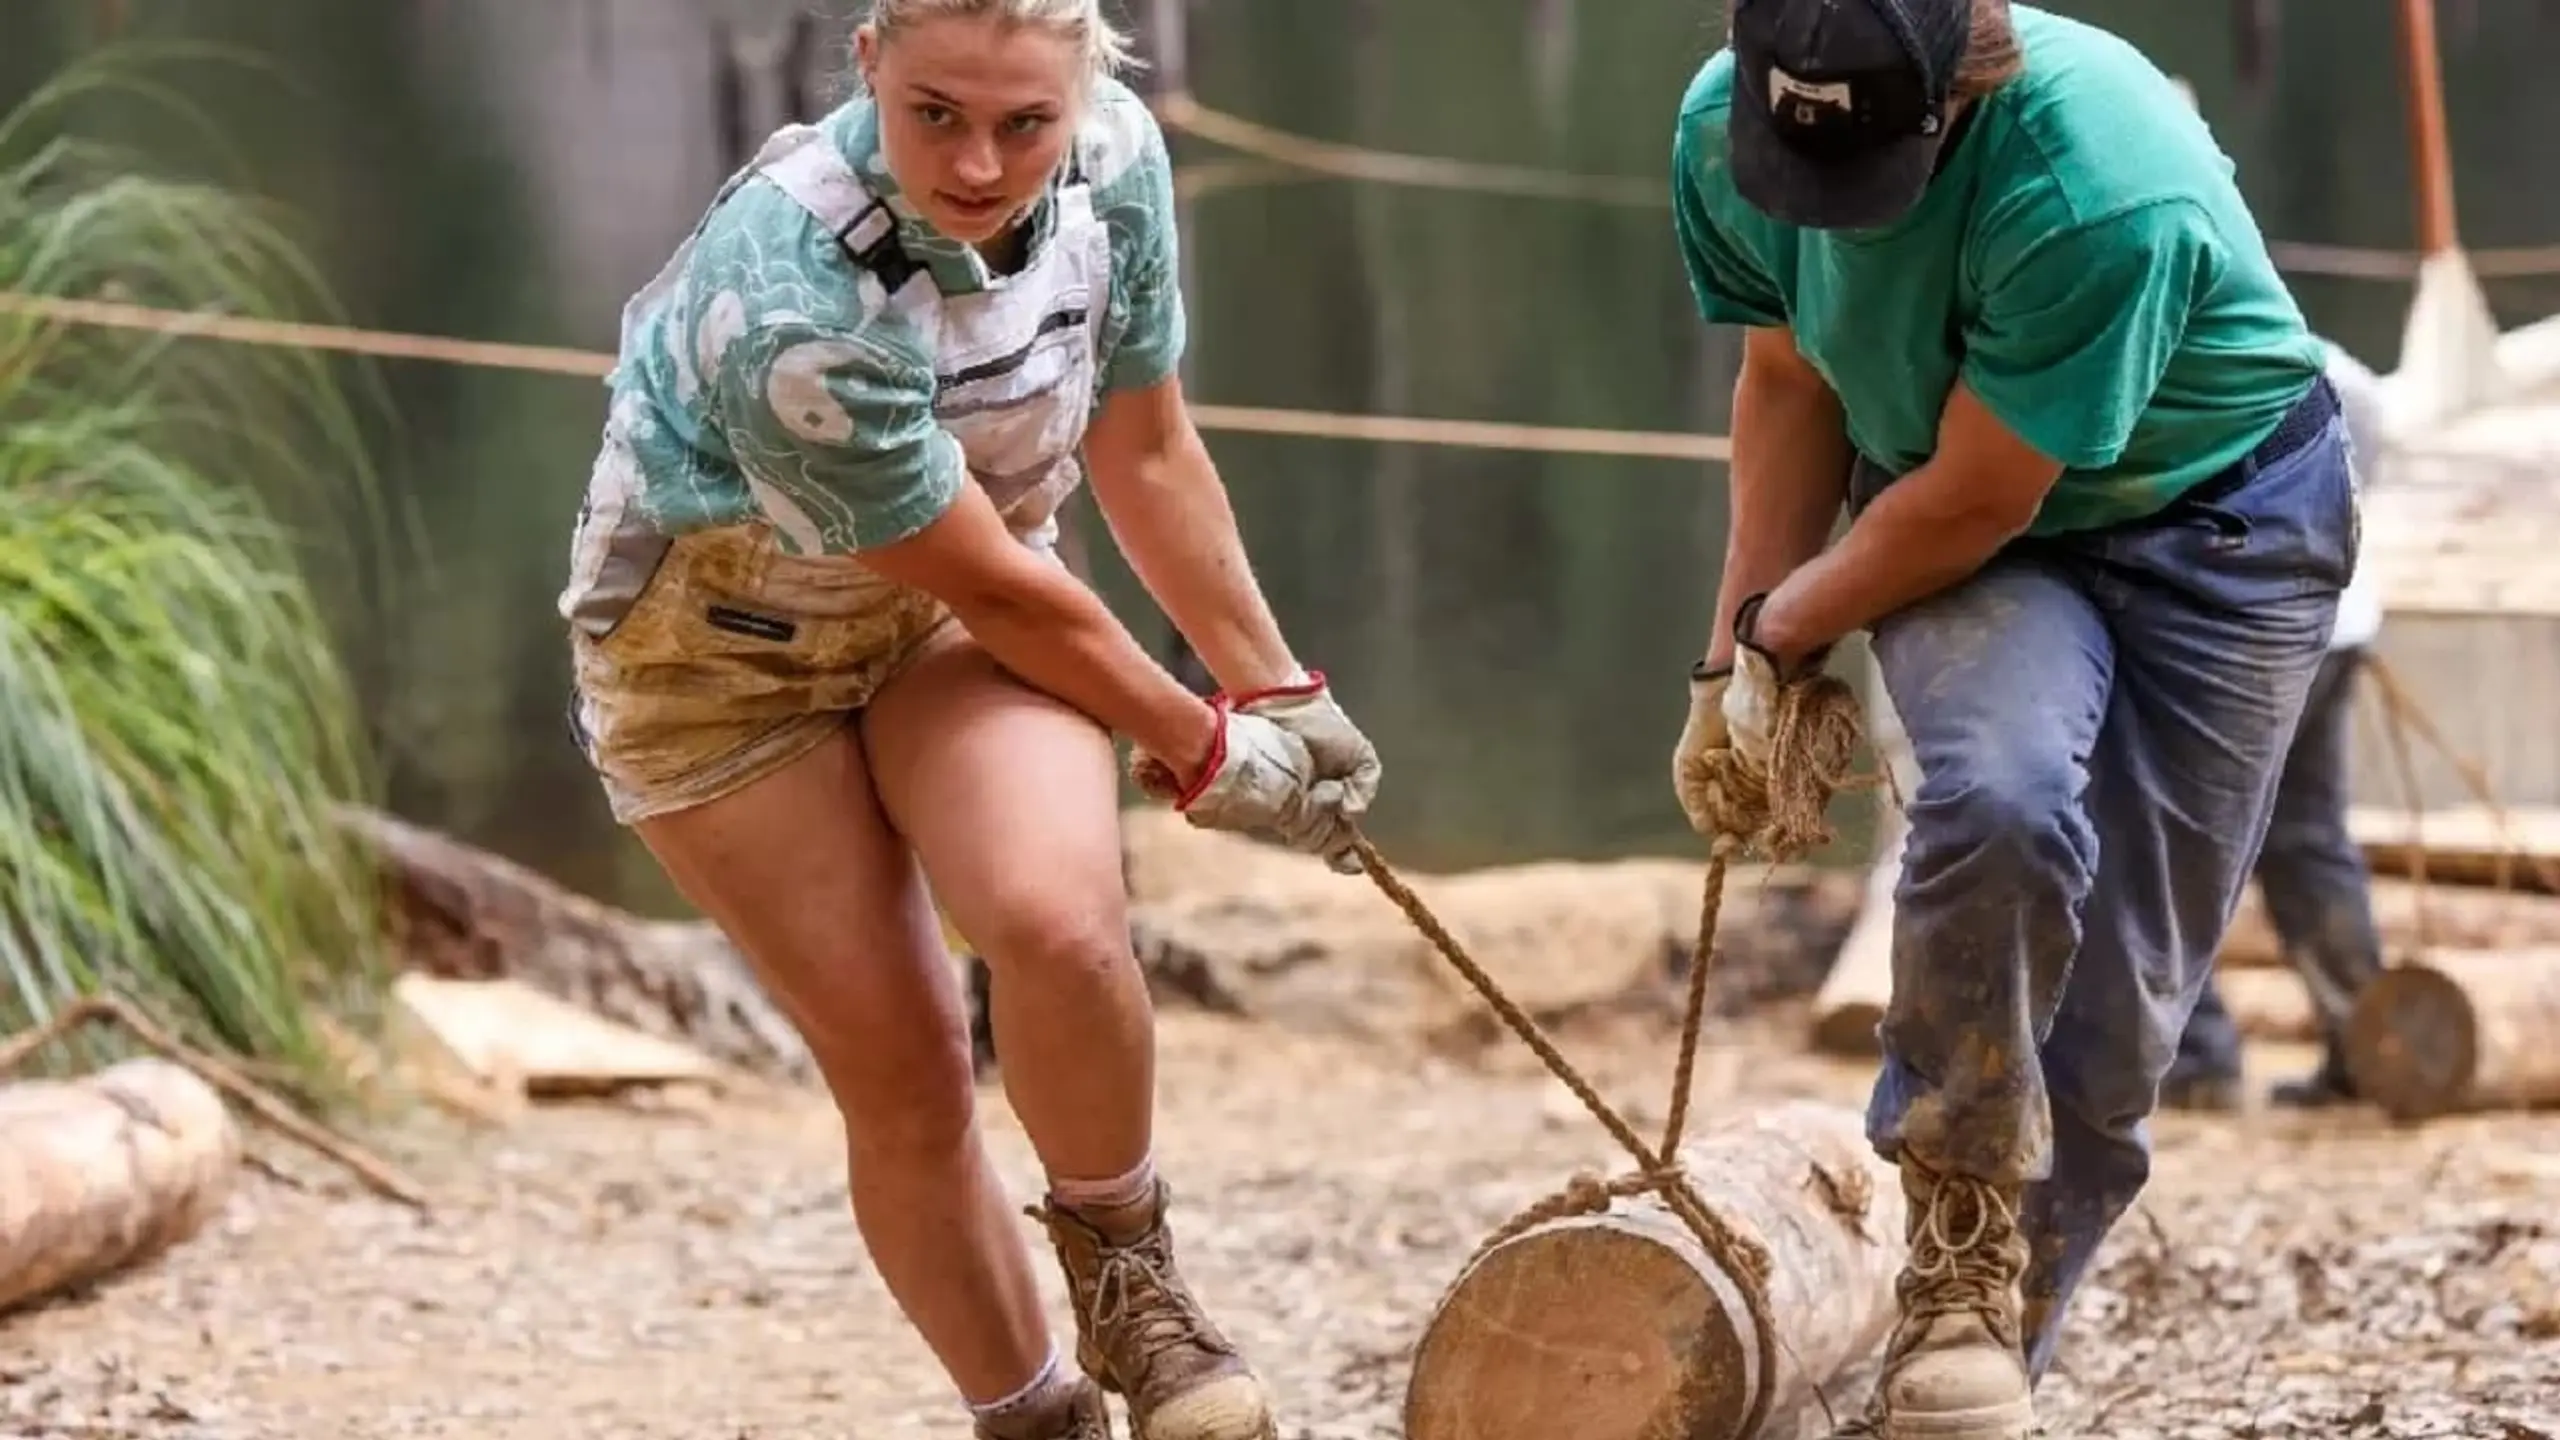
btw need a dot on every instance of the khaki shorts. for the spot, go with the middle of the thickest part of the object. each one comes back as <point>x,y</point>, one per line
<point>729,661</point>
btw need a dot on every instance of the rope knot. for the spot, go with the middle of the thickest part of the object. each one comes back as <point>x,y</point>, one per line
<point>1780,810</point>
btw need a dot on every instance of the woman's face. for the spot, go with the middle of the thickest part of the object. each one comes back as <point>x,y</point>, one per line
<point>974,115</point>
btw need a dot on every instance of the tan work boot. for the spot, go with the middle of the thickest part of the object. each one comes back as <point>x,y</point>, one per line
<point>1140,1332</point>
<point>1955,1368</point>
<point>1080,1413</point>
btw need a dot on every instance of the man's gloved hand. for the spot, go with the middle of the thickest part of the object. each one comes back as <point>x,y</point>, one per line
<point>1260,780</point>
<point>1305,707</point>
<point>1704,733</point>
<point>1750,702</point>
<point>1732,707</point>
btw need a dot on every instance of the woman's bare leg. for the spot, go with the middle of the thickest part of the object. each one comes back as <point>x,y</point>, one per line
<point>804,873</point>
<point>1011,798</point>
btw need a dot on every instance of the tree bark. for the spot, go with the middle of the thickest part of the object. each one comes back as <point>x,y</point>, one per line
<point>102,1173</point>
<point>2459,1031</point>
<point>457,912</point>
<point>1619,1326</point>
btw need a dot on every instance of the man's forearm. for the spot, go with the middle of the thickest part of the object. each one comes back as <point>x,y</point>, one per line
<point>1172,520</point>
<point>1790,473</point>
<point>1914,540</point>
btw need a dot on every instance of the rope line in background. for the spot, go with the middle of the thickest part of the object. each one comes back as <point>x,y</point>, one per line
<point>1183,111</point>
<point>551,360</point>
<point>1274,157</point>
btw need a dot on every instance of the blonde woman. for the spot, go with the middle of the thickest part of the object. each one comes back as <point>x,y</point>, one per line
<point>824,651</point>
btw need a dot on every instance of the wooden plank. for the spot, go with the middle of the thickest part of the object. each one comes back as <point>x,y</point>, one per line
<point>508,1033</point>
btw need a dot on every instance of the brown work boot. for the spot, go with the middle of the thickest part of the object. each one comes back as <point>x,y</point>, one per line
<point>1956,1368</point>
<point>1080,1413</point>
<point>1140,1332</point>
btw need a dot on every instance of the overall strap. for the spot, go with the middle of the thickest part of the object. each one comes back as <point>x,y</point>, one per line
<point>825,185</point>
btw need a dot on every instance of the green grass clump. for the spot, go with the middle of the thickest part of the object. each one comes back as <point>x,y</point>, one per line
<point>176,727</point>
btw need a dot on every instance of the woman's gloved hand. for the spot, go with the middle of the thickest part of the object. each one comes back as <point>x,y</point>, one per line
<point>1259,780</point>
<point>1305,707</point>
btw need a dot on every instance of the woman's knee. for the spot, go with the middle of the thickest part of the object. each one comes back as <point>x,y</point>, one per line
<point>903,1083</point>
<point>1053,935</point>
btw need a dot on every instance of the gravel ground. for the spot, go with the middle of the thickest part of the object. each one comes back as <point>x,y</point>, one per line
<point>606,1270</point>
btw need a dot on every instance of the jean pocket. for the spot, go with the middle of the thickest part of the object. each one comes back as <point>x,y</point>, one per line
<point>2289,531</point>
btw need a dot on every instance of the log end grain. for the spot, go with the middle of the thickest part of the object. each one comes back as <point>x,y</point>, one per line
<point>1592,1327</point>
<point>2413,1043</point>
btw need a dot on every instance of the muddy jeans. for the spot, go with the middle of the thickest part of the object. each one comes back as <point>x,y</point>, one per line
<point>2317,887</point>
<point>2098,721</point>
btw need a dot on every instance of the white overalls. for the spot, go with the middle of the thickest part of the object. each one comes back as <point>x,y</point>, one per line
<point>708,659</point>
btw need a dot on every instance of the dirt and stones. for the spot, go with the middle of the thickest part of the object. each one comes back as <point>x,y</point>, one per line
<point>693,1272</point>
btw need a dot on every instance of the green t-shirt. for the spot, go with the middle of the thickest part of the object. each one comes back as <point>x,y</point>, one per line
<point>2083,261</point>
<point>772,375</point>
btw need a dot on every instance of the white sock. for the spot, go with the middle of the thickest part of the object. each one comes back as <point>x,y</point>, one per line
<point>1117,1193</point>
<point>1042,1382</point>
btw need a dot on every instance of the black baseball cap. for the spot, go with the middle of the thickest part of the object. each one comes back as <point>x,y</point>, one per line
<point>1839,106</point>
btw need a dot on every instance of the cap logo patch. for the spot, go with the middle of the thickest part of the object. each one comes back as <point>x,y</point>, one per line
<point>1803,101</point>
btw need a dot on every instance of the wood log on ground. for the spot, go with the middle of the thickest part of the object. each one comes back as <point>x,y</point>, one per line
<point>2456,917</point>
<point>457,912</point>
<point>1217,921</point>
<point>2270,1005</point>
<point>1286,940</point>
<point>2463,844</point>
<point>1850,1004</point>
<point>1618,1325</point>
<point>2459,1031</point>
<point>102,1173</point>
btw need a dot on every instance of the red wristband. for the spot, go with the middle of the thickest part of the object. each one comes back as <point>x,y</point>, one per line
<point>1312,685</point>
<point>1217,756</point>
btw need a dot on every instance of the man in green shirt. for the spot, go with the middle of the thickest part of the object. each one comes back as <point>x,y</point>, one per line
<point>2006,304</point>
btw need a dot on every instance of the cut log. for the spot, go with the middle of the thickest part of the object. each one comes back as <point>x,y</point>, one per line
<point>2457,917</point>
<point>2459,1031</point>
<point>1618,1326</point>
<point>1851,1002</point>
<point>457,912</point>
<point>105,1172</point>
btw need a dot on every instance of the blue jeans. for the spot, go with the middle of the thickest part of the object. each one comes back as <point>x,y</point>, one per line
<point>2098,721</point>
<point>2316,883</point>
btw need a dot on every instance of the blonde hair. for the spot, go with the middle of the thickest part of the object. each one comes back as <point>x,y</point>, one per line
<point>1107,48</point>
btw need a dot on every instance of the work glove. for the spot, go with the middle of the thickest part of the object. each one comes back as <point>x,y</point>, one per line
<point>1305,707</point>
<point>1260,780</point>
<point>1705,732</point>
<point>1732,707</point>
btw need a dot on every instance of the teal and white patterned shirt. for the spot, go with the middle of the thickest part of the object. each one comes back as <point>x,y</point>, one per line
<point>764,369</point>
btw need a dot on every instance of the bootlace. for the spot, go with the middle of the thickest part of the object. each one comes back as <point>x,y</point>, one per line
<point>1961,1257</point>
<point>1134,1296</point>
